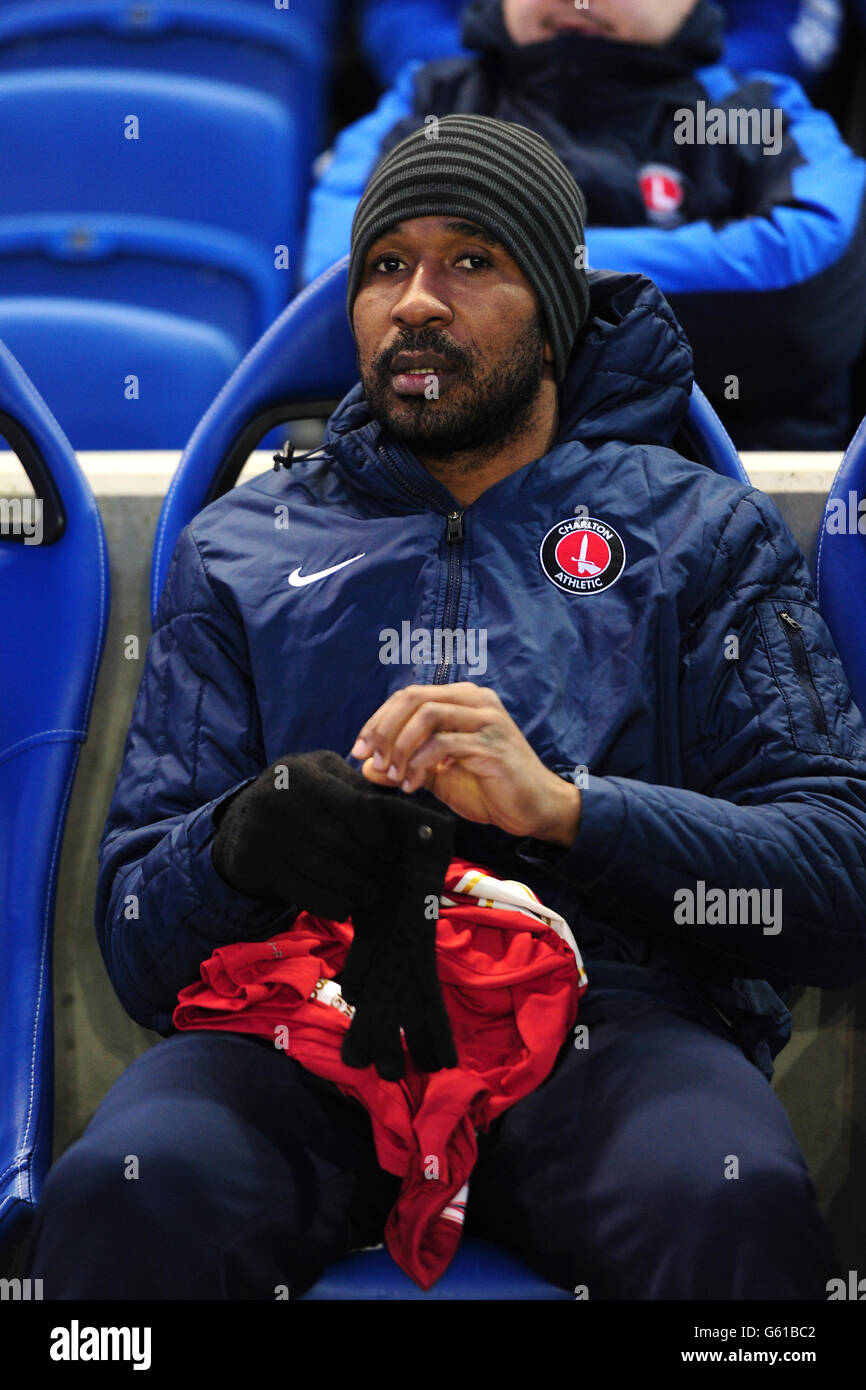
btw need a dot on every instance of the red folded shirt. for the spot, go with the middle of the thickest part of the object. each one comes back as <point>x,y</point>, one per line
<point>511,979</point>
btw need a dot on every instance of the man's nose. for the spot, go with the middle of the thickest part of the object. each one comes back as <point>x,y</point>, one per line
<point>422,299</point>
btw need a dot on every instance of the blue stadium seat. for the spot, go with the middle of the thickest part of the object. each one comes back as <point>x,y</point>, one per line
<point>54,600</point>
<point>285,54</point>
<point>841,563</point>
<point>119,377</point>
<point>156,263</point>
<point>147,145</point>
<point>703,437</point>
<point>302,366</point>
<point>479,1270</point>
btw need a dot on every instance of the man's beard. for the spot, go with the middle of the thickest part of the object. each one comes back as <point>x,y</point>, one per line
<point>495,404</point>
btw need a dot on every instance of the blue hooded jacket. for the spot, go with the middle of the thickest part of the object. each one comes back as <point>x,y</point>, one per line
<point>739,764</point>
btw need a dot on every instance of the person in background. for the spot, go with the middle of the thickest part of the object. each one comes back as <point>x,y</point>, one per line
<point>730,191</point>
<point>802,38</point>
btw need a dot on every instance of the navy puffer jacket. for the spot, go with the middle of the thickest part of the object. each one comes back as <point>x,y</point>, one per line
<point>607,579</point>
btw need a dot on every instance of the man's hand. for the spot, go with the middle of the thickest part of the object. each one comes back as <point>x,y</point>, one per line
<point>459,742</point>
<point>309,832</point>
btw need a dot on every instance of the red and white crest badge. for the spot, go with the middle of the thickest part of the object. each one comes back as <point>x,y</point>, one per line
<point>662,189</point>
<point>582,555</point>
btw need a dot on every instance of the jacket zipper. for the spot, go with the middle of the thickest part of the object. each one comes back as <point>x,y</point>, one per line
<point>793,630</point>
<point>454,540</point>
<point>454,537</point>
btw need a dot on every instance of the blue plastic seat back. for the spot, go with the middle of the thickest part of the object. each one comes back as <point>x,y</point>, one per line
<point>283,53</point>
<point>145,144</point>
<point>303,365</point>
<point>841,564</point>
<point>155,263</point>
<point>703,437</point>
<point>54,599</point>
<point>118,377</point>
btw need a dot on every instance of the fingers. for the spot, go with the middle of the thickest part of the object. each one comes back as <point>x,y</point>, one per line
<point>435,754</point>
<point>413,723</point>
<point>381,779</point>
<point>380,731</point>
<point>373,1036</point>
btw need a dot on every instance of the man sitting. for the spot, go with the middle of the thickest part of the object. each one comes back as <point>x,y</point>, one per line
<point>661,744</point>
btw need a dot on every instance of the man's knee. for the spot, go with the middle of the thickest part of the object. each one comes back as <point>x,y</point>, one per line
<point>179,1196</point>
<point>107,1226</point>
<point>728,1227</point>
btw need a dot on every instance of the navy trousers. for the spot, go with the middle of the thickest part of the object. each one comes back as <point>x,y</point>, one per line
<point>655,1163</point>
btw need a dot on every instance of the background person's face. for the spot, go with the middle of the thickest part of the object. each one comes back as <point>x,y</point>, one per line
<point>438,288</point>
<point>628,21</point>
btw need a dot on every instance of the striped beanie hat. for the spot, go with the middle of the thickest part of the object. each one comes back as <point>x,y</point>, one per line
<point>506,178</point>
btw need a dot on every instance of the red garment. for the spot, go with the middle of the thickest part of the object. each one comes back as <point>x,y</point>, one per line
<point>511,988</point>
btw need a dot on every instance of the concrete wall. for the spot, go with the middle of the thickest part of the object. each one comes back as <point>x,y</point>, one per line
<point>821,1076</point>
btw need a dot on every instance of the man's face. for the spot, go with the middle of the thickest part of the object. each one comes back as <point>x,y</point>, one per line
<point>450,341</point>
<point>628,21</point>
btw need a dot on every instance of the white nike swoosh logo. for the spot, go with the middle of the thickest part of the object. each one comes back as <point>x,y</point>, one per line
<point>297,580</point>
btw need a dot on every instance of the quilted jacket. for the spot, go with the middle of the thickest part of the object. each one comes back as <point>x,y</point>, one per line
<point>688,683</point>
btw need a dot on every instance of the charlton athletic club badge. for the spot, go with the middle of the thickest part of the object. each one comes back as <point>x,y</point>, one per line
<point>582,555</point>
<point>662,189</point>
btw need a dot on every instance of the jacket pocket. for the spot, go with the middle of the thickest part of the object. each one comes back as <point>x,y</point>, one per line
<point>794,632</point>
<point>808,674</point>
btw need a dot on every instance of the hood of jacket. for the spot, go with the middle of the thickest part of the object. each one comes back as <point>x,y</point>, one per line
<point>629,376</point>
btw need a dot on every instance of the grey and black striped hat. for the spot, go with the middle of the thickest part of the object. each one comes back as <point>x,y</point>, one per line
<point>506,178</point>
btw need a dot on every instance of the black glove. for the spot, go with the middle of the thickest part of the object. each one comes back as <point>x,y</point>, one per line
<point>307,832</point>
<point>312,832</point>
<point>390,973</point>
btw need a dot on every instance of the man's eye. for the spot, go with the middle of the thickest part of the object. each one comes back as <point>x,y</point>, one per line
<point>390,261</point>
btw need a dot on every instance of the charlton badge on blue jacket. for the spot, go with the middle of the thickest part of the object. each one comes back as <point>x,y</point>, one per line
<point>582,555</point>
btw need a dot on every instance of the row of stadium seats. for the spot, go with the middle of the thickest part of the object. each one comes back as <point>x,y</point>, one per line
<point>281,53</point>
<point>158,155</point>
<point>155,166</point>
<point>54,617</point>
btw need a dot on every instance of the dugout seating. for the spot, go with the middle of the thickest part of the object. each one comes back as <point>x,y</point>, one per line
<point>119,377</point>
<point>54,600</point>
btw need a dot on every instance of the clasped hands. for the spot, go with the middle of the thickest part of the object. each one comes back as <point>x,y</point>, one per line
<point>312,832</point>
<point>459,742</point>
